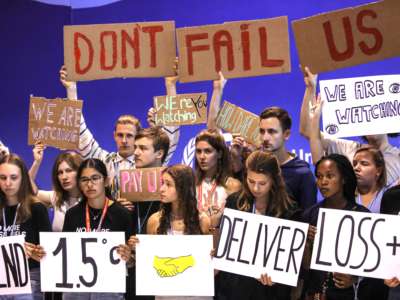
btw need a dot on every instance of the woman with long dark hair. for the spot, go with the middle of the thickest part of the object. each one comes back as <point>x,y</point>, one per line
<point>213,174</point>
<point>97,212</point>
<point>22,213</point>
<point>263,192</point>
<point>178,212</point>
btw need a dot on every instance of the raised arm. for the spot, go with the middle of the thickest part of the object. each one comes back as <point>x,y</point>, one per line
<point>310,81</point>
<point>88,146</point>
<point>172,131</point>
<point>38,151</point>
<point>215,103</point>
<point>317,150</point>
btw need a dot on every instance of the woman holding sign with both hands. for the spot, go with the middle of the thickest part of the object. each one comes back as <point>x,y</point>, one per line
<point>178,213</point>
<point>97,212</point>
<point>22,213</point>
<point>263,193</point>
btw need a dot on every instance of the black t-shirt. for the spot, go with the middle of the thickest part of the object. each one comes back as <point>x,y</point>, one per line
<point>38,222</point>
<point>117,218</point>
<point>231,286</point>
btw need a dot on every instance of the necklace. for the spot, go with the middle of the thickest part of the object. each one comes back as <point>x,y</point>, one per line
<point>93,215</point>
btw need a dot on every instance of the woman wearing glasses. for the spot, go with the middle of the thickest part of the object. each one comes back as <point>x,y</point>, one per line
<point>97,212</point>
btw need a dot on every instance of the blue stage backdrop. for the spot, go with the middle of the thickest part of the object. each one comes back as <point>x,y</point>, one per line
<point>31,52</point>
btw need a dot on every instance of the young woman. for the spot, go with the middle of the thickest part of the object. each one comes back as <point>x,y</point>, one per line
<point>212,169</point>
<point>178,213</point>
<point>97,212</point>
<point>65,193</point>
<point>337,183</point>
<point>22,213</point>
<point>263,193</point>
<point>370,170</point>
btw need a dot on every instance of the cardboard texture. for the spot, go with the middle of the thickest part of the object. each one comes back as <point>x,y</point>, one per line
<point>141,184</point>
<point>184,109</point>
<point>238,49</point>
<point>348,37</point>
<point>234,119</point>
<point>99,51</point>
<point>54,122</point>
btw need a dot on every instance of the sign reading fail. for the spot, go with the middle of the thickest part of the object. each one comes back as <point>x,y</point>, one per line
<point>362,244</point>
<point>54,122</point>
<point>252,245</point>
<point>234,119</point>
<point>141,184</point>
<point>361,106</point>
<point>184,109</point>
<point>238,49</point>
<point>349,36</point>
<point>100,51</point>
<point>14,268</point>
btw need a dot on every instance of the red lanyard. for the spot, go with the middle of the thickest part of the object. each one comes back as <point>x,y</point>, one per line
<point>208,199</point>
<point>103,214</point>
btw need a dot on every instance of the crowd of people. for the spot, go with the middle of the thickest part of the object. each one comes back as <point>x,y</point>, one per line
<point>268,180</point>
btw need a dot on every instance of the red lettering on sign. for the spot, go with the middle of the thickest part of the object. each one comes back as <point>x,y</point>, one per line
<point>333,51</point>
<point>190,48</point>
<point>265,61</point>
<point>103,50</point>
<point>223,38</point>
<point>78,53</point>
<point>152,31</point>
<point>134,44</point>
<point>245,38</point>
<point>374,31</point>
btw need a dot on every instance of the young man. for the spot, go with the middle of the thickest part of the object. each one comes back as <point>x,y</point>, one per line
<point>320,144</point>
<point>125,130</point>
<point>151,148</point>
<point>275,125</point>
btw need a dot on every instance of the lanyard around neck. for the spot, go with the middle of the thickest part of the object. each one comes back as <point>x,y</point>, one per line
<point>103,214</point>
<point>209,197</point>
<point>5,222</point>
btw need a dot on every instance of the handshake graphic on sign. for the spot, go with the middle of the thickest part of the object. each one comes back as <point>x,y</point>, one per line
<point>172,266</point>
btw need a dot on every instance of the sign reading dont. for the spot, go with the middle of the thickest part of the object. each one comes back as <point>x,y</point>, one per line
<point>101,51</point>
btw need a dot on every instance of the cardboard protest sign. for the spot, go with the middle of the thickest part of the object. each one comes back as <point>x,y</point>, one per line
<point>99,51</point>
<point>361,106</point>
<point>348,37</point>
<point>14,268</point>
<point>362,244</point>
<point>141,184</point>
<point>86,262</point>
<point>183,109</point>
<point>174,265</point>
<point>234,119</point>
<point>238,49</point>
<point>54,122</point>
<point>252,245</point>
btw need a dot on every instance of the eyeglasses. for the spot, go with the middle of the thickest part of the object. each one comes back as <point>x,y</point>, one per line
<point>93,179</point>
